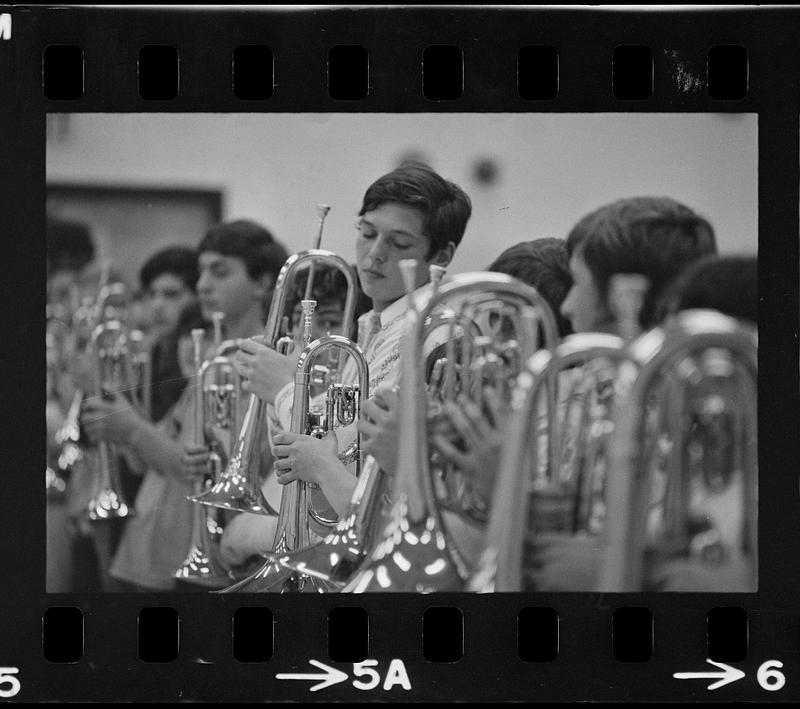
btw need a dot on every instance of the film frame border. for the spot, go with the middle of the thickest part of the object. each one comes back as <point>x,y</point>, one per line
<point>490,38</point>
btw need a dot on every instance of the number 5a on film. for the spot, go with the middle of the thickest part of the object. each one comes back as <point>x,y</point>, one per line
<point>366,676</point>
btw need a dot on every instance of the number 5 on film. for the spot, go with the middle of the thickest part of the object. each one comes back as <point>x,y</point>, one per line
<point>9,685</point>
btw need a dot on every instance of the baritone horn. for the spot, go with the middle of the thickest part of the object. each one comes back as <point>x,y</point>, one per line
<point>683,482</point>
<point>417,551</point>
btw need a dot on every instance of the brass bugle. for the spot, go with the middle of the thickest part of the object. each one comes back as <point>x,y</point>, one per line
<point>239,487</point>
<point>109,350</point>
<point>415,552</point>
<point>140,376</point>
<point>523,474</point>
<point>202,565</point>
<point>701,365</point>
<point>293,533</point>
<point>85,320</point>
<point>338,556</point>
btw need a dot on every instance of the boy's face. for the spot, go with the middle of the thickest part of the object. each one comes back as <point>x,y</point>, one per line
<point>168,295</point>
<point>584,307</point>
<point>386,235</point>
<point>225,286</point>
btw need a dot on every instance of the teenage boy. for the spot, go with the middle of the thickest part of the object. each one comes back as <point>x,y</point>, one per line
<point>238,263</point>
<point>409,213</point>
<point>655,237</point>
<point>651,236</point>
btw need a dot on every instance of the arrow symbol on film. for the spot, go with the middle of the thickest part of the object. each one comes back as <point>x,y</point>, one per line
<point>729,674</point>
<point>329,677</point>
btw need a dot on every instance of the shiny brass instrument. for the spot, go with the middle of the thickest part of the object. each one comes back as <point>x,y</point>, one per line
<point>216,396</point>
<point>682,487</point>
<point>297,510</point>
<point>57,337</point>
<point>140,371</point>
<point>417,551</point>
<point>239,487</point>
<point>109,349</point>
<point>337,557</point>
<point>90,313</point>
<point>552,470</point>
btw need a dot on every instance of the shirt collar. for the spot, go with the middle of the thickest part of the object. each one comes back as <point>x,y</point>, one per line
<point>421,295</point>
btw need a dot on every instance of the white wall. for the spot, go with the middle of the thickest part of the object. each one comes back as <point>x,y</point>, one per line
<point>553,168</point>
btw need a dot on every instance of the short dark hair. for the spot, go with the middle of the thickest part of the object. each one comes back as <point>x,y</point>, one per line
<point>445,207</point>
<point>178,260</point>
<point>653,236</point>
<point>244,239</point>
<point>543,264</point>
<point>70,246</point>
<point>728,284</point>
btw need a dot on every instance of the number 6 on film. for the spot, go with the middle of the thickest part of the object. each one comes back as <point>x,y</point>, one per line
<point>7,677</point>
<point>770,678</point>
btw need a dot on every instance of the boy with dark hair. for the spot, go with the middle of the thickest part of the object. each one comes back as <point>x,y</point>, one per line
<point>238,263</point>
<point>409,213</point>
<point>728,284</point>
<point>651,236</point>
<point>69,245</point>
<point>70,249</point>
<point>543,264</point>
<point>168,279</point>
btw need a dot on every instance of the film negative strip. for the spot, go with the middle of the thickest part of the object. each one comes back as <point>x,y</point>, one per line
<point>150,124</point>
